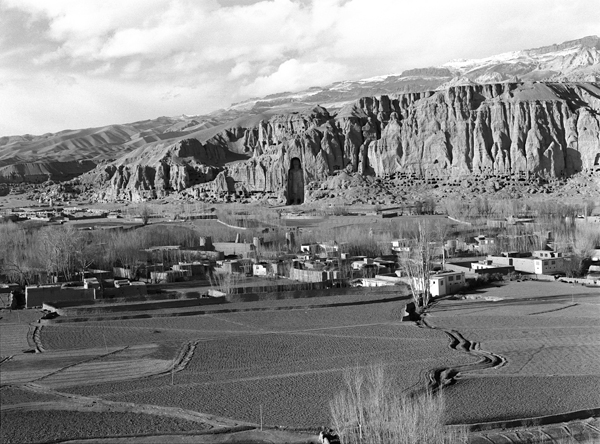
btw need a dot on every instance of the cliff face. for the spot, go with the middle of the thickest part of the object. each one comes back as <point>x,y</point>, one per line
<point>545,130</point>
<point>548,130</point>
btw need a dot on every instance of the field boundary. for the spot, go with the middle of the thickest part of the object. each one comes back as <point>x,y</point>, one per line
<point>185,355</point>
<point>534,421</point>
<point>36,338</point>
<point>224,310</point>
<point>459,221</point>
<point>235,227</point>
<point>93,358</point>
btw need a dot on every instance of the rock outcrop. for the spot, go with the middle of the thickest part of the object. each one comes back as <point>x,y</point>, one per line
<point>547,130</point>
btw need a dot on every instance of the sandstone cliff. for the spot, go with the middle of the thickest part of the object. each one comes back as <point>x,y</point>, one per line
<point>538,129</point>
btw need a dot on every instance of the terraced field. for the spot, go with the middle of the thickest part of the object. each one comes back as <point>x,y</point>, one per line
<point>231,365</point>
<point>13,331</point>
<point>288,362</point>
<point>218,371</point>
<point>11,395</point>
<point>44,426</point>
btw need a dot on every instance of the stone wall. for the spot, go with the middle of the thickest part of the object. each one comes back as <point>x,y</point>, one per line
<point>36,296</point>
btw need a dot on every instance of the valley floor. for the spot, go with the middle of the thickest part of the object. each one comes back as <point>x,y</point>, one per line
<point>224,372</point>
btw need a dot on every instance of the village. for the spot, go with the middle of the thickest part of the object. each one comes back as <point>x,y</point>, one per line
<point>214,269</point>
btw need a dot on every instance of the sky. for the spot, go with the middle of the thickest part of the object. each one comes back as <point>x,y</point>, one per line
<point>67,64</point>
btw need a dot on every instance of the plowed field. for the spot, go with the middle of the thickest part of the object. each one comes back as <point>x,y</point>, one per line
<point>288,362</point>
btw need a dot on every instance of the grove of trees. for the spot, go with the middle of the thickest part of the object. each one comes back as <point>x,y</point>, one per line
<point>30,254</point>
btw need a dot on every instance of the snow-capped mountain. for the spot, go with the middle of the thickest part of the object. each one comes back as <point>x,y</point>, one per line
<point>575,60</point>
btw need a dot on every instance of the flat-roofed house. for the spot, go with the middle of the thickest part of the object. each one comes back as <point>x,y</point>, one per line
<point>446,282</point>
<point>541,262</point>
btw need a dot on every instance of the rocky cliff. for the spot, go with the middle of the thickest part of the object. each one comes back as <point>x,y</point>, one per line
<point>547,130</point>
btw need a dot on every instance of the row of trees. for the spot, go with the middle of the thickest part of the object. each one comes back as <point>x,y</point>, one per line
<point>482,207</point>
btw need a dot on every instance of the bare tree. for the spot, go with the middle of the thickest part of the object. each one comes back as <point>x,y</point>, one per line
<point>429,206</point>
<point>17,260</point>
<point>65,250</point>
<point>145,213</point>
<point>483,207</point>
<point>418,207</point>
<point>224,282</point>
<point>57,256</point>
<point>588,207</point>
<point>418,265</point>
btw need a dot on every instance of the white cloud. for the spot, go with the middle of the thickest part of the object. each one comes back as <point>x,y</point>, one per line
<point>202,55</point>
<point>292,75</point>
<point>55,103</point>
<point>241,69</point>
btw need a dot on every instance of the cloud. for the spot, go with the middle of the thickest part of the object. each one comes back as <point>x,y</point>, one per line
<point>54,103</point>
<point>241,69</point>
<point>292,75</point>
<point>206,54</point>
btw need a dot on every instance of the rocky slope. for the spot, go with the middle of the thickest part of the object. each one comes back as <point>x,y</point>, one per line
<point>542,130</point>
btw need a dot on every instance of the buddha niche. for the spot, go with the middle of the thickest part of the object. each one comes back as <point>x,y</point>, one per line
<point>295,184</point>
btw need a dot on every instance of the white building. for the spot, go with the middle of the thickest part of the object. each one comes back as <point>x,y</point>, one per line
<point>359,265</point>
<point>260,269</point>
<point>402,246</point>
<point>542,262</point>
<point>485,244</point>
<point>376,282</point>
<point>442,283</point>
<point>446,282</point>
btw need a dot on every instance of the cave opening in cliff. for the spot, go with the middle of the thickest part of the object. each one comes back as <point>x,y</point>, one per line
<point>295,183</point>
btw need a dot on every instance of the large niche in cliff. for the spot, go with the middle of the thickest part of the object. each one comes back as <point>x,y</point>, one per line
<point>295,183</point>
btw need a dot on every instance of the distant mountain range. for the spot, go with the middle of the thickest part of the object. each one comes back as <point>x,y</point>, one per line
<point>574,61</point>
